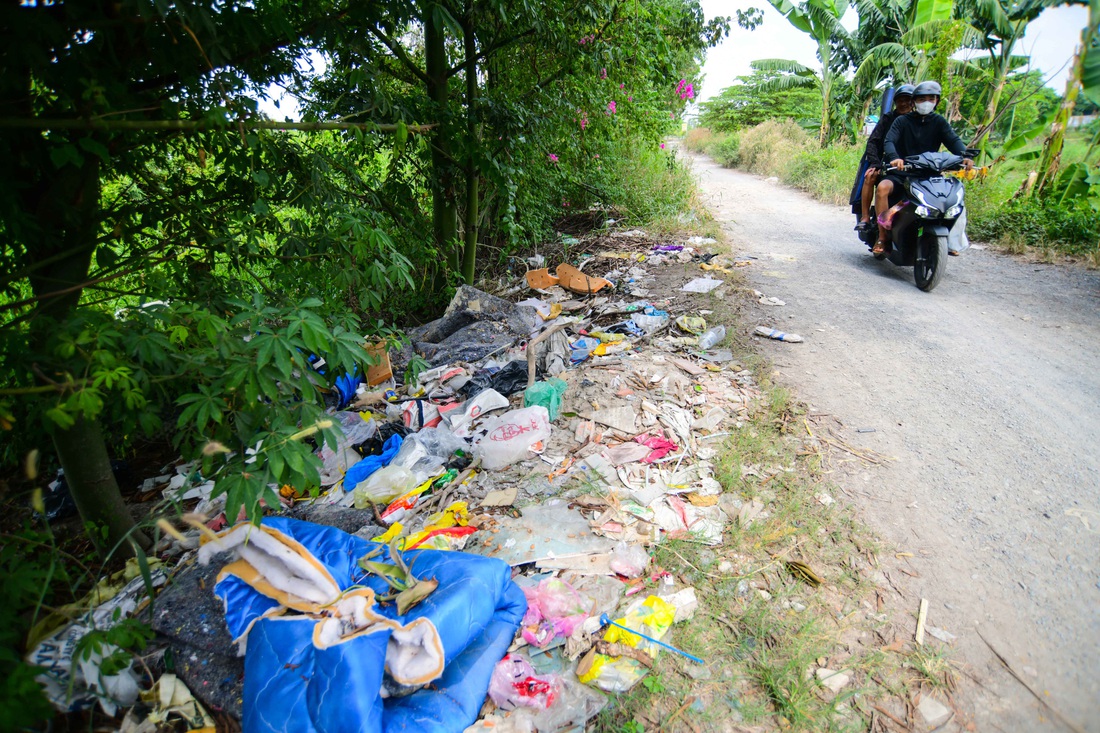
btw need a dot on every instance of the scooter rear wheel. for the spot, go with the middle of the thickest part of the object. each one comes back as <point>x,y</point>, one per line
<point>928,270</point>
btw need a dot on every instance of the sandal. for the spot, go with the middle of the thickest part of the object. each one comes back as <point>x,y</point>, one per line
<point>880,249</point>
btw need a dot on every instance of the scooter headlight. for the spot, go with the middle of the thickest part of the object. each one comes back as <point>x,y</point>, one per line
<point>954,211</point>
<point>924,212</point>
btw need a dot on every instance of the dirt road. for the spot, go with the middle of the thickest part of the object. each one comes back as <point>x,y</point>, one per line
<point>986,394</point>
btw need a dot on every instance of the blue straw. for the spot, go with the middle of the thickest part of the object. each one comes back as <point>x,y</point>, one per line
<point>606,621</point>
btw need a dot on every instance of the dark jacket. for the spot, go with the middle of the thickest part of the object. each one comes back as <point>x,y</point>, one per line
<point>873,153</point>
<point>913,134</point>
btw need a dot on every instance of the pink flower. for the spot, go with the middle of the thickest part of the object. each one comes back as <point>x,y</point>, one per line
<point>603,73</point>
<point>662,146</point>
<point>672,115</point>
<point>553,158</point>
<point>596,156</point>
<point>622,86</point>
<point>611,107</point>
<point>630,99</point>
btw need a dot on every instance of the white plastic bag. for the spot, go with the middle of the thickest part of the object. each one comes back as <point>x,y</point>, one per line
<point>508,437</point>
<point>629,560</point>
<point>956,238</point>
<point>384,485</point>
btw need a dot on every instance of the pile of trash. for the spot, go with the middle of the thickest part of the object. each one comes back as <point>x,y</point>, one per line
<point>484,528</point>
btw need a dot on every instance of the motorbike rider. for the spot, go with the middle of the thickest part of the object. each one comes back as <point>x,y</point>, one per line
<point>872,156</point>
<point>920,131</point>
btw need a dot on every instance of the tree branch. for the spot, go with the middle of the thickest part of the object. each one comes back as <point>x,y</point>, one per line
<point>400,54</point>
<point>38,123</point>
<point>491,50</point>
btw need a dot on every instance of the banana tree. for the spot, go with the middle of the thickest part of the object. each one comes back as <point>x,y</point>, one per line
<point>820,19</point>
<point>1002,25</point>
<point>1084,78</point>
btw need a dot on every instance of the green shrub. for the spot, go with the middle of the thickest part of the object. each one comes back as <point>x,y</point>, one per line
<point>1073,226</point>
<point>726,149</point>
<point>827,173</point>
<point>767,148</point>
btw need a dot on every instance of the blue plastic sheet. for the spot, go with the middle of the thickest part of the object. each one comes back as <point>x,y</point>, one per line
<point>364,468</point>
<point>292,684</point>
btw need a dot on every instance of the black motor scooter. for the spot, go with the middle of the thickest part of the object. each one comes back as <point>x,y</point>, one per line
<point>931,205</point>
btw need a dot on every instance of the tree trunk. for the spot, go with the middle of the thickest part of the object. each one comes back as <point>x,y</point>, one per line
<point>444,208</point>
<point>469,257</point>
<point>83,454</point>
<point>991,113</point>
<point>66,209</point>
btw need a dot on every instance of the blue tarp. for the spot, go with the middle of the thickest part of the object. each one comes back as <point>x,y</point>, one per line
<point>291,684</point>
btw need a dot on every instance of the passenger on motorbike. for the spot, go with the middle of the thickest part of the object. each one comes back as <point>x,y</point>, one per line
<point>920,131</point>
<point>872,156</point>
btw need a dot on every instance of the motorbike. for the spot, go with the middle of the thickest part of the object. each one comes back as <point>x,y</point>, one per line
<point>931,204</point>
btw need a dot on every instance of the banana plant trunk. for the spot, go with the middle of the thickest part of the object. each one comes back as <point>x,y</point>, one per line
<point>991,113</point>
<point>1052,146</point>
<point>824,53</point>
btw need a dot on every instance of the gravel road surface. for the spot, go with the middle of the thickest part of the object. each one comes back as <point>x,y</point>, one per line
<point>986,395</point>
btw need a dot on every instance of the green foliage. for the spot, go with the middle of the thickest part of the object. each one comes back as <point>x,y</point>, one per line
<point>1071,225</point>
<point>826,174</point>
<point>726,149</point>
<point>752,100</point>
<point>27,575</point>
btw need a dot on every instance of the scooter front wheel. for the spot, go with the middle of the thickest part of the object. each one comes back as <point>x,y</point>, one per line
<point>929,267</point>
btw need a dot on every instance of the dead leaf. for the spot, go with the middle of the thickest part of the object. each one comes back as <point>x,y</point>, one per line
<point>413,595</point>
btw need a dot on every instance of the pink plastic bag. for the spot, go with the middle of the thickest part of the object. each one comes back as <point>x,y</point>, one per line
<point>554,609</point>
<point>514,684</point>
<point>659,447</point>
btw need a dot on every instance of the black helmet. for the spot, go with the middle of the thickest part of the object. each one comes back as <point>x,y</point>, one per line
<point>904,90</point>
<point>928,87</point>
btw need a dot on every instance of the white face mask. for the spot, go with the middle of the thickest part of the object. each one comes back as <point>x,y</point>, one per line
<point>924,108</point>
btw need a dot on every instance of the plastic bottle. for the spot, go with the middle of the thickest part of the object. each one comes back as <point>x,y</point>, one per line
<point>711,337</point>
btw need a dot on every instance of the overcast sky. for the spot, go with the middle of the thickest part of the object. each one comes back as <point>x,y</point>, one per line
<point>1050,41</point>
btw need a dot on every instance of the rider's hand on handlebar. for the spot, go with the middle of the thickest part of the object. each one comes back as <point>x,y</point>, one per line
<point>897,164</point>
<point>968,164</point>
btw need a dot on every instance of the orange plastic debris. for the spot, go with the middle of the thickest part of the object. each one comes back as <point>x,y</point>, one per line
<point>573,279</point>
<point>541,279</point>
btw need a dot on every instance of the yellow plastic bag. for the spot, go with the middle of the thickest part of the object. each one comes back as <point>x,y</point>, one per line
<point>618,674</point>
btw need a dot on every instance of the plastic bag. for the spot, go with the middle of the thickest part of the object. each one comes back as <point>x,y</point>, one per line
<point>483,403</point>
<point>383,486</point>
<point>711,421</point>
<point>355,427</point>
<point>648,323</point>
<point>439,442</point>
<point>509,436</point>
<point>554,609</point>
<point>514,684</point>
<point>654,617</point>
<point>364,468</point>
<point>582,348</point>
<point>548,394</point>
<point>629,560</point>
<point>508,380</point>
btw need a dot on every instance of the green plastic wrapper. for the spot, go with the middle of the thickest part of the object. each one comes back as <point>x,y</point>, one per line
<point>548,394</point>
